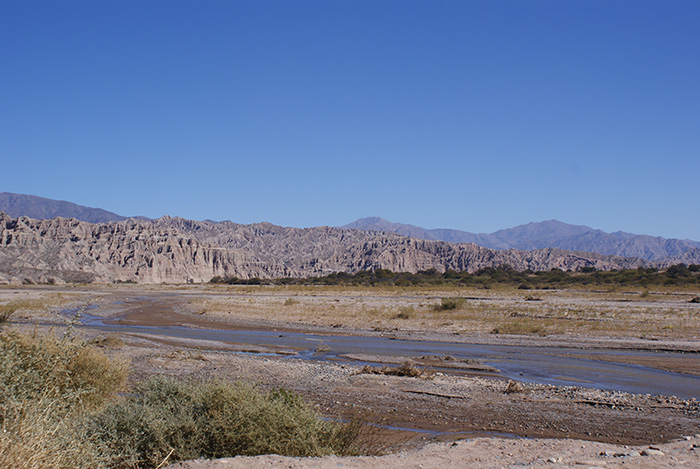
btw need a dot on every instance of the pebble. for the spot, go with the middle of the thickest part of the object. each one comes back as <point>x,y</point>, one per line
<point>554,460</point>
<point>652,452</point>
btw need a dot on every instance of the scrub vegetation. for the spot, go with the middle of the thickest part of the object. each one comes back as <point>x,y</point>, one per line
<point>170,418</point>
<point>64,404</point>
<point>677,275</point>
<point>47,385</point>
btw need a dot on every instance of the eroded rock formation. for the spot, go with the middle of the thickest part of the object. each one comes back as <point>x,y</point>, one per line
<point>175,250</point>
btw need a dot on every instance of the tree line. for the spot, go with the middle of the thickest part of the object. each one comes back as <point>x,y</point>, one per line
<point>505,275</point>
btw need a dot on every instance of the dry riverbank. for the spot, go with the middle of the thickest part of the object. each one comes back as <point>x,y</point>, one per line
<point>489,453</point>
<point>436,406</point>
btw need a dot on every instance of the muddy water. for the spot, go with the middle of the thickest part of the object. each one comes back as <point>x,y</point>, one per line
<point>545,365</point>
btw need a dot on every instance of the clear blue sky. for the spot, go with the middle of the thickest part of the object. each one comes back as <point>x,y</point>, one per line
<point>475,115</point>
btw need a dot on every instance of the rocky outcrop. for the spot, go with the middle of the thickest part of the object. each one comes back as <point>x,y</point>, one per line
<point>175,250</point>
<point>70,250</point>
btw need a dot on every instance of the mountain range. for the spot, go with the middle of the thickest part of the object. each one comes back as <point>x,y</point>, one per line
<point>42,240</point>
<point>551,233</point>
<point>536,235</point>
<point>175,250</point>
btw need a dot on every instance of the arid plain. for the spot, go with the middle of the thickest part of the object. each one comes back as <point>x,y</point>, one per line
<point>437,397</point>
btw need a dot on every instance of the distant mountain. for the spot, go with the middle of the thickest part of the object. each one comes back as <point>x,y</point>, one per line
<point>551,234</point>
<point>21,205</point>
<point>439,234</point>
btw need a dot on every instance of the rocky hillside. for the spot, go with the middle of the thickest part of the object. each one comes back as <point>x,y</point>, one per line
<point>532,236</point>
<point>175,250</point>
<point>554,234</point>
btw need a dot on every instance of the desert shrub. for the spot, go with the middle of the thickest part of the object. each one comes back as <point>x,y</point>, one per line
<point>179,420</point>
<point>46,386</point>
<point>69,370</point>
<point>447,304</point>
<point>39,433</point>
<point>405,312</point>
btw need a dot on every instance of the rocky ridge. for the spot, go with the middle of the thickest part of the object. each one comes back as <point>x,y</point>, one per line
<point>175,250</point>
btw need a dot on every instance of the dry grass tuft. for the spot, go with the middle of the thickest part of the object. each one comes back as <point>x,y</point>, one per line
<point>514,388</point>
<point>522,326</point>
<point>448,304</point>
<point>6,311</point>
<point>46,386</point>
<point>108,341</point>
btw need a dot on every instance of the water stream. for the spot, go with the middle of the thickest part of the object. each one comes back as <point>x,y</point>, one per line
<point>545,365</point>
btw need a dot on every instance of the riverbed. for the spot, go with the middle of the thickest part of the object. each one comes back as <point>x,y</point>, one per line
<point>561,366</point>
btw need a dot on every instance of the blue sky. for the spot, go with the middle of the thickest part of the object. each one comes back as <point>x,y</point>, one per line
<point>474,115</point>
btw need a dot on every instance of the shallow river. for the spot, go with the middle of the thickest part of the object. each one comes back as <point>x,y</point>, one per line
<point>527,364</point>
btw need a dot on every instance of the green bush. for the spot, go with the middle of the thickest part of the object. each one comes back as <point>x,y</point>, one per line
<point>179,420</point>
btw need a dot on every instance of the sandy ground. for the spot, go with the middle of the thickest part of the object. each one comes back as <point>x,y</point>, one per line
<point>444,419</point>
<point>490,453</point>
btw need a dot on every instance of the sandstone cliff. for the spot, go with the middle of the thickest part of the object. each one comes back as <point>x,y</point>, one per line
<point>175,250</point>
